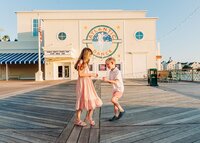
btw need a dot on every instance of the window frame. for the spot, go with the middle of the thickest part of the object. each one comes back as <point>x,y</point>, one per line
<point>102,67</point>
<point>35,27</point>
<point>118,66</point>
<point>90,66</point>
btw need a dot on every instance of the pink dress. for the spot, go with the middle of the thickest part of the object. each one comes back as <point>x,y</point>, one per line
<point>87,97</point>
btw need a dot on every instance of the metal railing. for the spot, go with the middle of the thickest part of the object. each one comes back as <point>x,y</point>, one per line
<point>185,75</point>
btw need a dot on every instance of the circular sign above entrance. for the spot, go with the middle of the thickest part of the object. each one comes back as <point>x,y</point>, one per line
<point>103,41</point>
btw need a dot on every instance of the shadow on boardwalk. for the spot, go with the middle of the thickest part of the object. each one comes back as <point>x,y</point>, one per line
<point>152,115</point>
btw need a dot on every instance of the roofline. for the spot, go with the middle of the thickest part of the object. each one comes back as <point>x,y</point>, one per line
<point>72,11</point>
<point>146,18</point>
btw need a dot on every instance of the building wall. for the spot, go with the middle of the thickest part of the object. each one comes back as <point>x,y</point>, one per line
<point>136,49</point>
<point>135,56</point>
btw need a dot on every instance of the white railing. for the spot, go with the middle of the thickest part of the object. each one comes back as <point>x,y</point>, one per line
<point>185,75</point>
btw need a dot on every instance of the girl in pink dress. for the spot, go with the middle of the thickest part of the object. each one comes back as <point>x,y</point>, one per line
<point>87,97</point>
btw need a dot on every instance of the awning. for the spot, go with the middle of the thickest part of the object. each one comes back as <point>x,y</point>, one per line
<point>20,58</point>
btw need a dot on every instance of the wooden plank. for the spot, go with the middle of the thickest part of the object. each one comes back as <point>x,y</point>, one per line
<point>178,136</point>
<point>84,135</point>
<point>36,116</point>
<point>29,122</point>
<point>74,136</point>
<point>94,135</point>
<point>148,136</point>
<point>190,139</point>
<point>120,133</point>
<point>28,139</point>
<point>66,132</point>
<point>54,116</point>
<point>197,141</point>
<point>96,118</point>
<point>12,115</point>
<point>71,132</point>
<point>48,132</point>
<point>8,139</point>
<point>38,135</point>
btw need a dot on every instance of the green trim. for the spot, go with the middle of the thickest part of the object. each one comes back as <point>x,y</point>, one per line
<point>116,39</point>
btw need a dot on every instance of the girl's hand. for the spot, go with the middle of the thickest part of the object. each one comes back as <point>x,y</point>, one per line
<point>94,75</point>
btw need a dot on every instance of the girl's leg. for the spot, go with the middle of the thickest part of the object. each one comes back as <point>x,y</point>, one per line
<point>90,114</point>
<point>89,117</point>
<point>78,121</point>
<point>78,115</point>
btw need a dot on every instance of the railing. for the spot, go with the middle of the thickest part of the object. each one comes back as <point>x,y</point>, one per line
<point>184,75</point>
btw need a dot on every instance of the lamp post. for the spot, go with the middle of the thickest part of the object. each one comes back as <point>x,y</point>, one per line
<point>158,57</point>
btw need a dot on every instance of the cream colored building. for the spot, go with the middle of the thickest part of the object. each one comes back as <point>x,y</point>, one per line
<point>128,36</point>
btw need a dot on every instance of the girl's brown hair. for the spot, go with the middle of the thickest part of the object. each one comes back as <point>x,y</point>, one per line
<point>84,56</point>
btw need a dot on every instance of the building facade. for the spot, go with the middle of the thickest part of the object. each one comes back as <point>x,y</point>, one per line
<point>128,36</point>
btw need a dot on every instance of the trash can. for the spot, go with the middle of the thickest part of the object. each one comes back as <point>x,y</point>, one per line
<point>152,77</point>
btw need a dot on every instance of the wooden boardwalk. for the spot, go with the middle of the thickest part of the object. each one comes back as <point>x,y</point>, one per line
<point>152,116</point>
<point>156,115</point>
<point>38,116</point>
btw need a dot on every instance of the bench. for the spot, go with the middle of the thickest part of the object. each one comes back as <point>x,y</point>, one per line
<point>27,77</point>
<point>13,77</point>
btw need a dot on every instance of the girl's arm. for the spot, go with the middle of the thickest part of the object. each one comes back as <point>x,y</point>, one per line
<point>82,74</point>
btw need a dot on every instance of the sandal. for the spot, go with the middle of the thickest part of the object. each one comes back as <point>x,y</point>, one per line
<point>80,123</point>
<point>92,122</point>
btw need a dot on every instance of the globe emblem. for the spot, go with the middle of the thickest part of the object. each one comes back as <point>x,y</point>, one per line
<point>102,41</point>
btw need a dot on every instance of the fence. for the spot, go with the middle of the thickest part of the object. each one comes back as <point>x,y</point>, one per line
<point>181,75</point>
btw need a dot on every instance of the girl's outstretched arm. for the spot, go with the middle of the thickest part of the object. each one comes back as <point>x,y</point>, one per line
<point>82,74</point>
<point>81,71</point>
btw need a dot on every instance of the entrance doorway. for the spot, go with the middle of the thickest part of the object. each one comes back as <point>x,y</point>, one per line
<point>140,65</point>
<point>63,71</point>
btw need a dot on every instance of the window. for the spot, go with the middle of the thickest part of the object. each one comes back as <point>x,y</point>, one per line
<point>90,67</point>
<point>62,36</point>
<point>35,27</point>
<point>139,35</point>
<point>118,66</point>
<point>102,67</point>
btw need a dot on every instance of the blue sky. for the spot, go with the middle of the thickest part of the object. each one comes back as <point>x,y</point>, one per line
<point>178,26</point>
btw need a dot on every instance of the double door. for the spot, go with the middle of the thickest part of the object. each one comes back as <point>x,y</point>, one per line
<point>63,71</point>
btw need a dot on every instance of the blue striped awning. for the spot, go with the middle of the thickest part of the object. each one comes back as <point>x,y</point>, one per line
<point>20,58</point>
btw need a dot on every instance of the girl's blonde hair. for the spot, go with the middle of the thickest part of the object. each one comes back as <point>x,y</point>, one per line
<point>84,56</point>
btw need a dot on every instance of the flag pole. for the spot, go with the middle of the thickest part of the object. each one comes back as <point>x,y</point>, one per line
<point>39,73</point>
